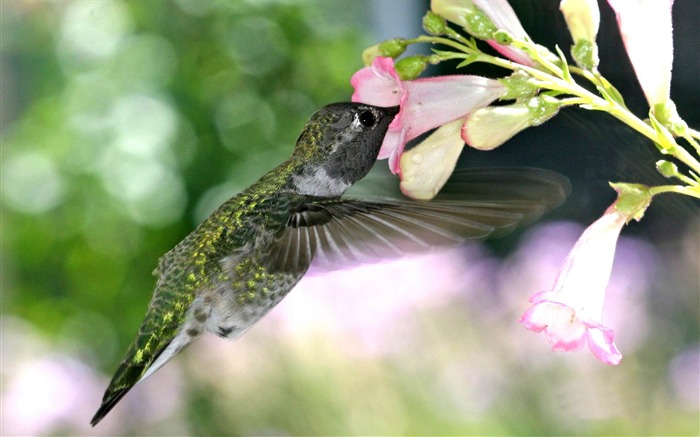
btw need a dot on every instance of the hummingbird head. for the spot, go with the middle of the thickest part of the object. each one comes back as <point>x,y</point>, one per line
<point>338,147</point>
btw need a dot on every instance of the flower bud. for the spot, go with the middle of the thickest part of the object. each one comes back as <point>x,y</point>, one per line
<point>393,48</point>
<point>388,49</point>
<point>434,24</point>
<point>667,168</point>
<point>411,67</point>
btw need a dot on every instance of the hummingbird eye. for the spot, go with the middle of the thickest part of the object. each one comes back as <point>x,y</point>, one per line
<point>367,118</point>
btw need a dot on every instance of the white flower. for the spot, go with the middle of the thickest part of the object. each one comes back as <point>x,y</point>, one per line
<point>647,31</point>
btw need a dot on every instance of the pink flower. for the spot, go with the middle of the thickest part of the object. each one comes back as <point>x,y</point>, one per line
<point>425,103</point>
<point>499,12</point>
<point>647,31</point>
<point>570,314</point>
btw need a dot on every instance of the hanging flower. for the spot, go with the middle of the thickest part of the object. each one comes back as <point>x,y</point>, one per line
<point>647,32</point>
<point>425,103</point>
<point>482,18</point>
<point>570,315</point>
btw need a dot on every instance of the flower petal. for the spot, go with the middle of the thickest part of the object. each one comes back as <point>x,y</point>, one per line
<point>378,84</point>
<point>600,342</point>
<point>647,31</point>
<point>433,102</point>
<point>503,17</point>
<point>426,167</point>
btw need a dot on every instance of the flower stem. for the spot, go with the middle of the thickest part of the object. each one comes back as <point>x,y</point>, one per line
<point>679,189</point>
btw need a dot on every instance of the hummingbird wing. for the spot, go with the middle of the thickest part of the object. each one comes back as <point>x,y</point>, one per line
<point>474,204</point>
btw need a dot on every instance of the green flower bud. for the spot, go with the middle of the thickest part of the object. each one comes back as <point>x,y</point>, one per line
<point>411,67</point>
<point>393,48</point>
<point>388,49</point>
<point>666,168</point>
<point>434,24</point>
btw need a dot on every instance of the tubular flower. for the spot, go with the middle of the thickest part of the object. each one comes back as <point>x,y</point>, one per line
<point>570,314</point>
<point>481,18</point>
<point>488,128</point>
<point>647,32</point>
<point>583,19</point>
<point>426,167</point>
<point>425,103</point>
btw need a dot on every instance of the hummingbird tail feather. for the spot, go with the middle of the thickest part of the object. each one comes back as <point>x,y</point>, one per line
<point>130,373</point>
<point>124,379</point>
<point>108,402</point>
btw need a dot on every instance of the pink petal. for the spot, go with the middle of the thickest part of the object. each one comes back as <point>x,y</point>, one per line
<point>503,17</point>
<point>436,101</point>
<point>392,148</point>
<point>512,53</point>
<point>558,321</point>
<point>600,342</point>
<point>378,84</point>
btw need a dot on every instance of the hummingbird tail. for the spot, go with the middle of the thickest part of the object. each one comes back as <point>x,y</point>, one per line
<point>108,402</point>
<point>124,379</point>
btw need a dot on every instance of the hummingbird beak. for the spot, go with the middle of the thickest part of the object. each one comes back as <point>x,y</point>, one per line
<point>392,110</point>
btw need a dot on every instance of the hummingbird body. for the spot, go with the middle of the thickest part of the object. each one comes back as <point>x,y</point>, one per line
<point>245,257</point>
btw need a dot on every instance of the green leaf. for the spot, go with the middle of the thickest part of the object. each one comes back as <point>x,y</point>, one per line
<point>468,60</point>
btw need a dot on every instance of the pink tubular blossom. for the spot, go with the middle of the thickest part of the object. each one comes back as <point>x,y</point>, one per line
<point>425,103</point>
<point>499,12</point>
<point>570,314</point>
<point>647,32</point>
<point>502,15</point>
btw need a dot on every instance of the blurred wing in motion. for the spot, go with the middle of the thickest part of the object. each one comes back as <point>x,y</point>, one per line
<point>473,204</point>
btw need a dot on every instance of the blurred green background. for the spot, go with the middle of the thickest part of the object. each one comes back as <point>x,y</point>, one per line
<point>125,123</point>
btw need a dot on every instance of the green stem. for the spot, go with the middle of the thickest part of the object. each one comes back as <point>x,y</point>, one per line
<point>679,189</point>
<point>689,138</point>
<point>445,41</point>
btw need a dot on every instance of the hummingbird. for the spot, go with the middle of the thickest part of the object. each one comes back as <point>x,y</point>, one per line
<point>248,254</point>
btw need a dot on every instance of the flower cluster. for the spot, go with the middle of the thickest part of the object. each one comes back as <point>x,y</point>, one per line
<point>461,109</point>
